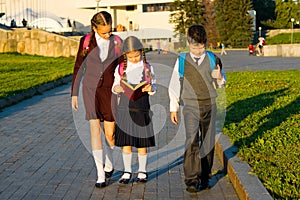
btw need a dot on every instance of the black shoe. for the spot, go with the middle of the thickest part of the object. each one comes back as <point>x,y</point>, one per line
<point>204,185</point>
<point>101,185</point>
<point>193,188</point>
<point>109,174</point>
<point>125,180</point>
<point>142,180</point>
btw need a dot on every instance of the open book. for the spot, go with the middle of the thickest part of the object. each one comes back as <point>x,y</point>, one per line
<point>133,92</point>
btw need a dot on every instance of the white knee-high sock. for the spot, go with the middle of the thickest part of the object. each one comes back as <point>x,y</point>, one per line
<point>142,165</point>
<point>98,157</point>
<point>127,162</point>
<point>142,162</point>
<point>109,159</point>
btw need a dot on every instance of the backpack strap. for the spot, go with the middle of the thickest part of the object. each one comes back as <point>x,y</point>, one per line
<point>213,63</point>
<point>118,44</point>
<point>86,41</point>
<point>181,60</point>
<point>121,69</point>
<point>212,60</point>
<point>147,72</point>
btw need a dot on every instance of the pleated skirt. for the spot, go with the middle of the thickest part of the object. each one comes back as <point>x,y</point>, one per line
<point>134,123</point>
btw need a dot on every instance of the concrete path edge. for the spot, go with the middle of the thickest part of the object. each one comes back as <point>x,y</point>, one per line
<point>247,185</point>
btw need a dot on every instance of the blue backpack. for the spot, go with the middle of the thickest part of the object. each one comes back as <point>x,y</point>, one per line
<point>212,61</point>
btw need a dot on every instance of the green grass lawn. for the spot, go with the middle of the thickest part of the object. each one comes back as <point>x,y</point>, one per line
<point>284,38</point>
<point>263,121</point>
<point>21,72</point>
<point>262,114</point>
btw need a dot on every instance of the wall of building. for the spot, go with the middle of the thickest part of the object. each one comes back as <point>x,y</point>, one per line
<point>37,42</point>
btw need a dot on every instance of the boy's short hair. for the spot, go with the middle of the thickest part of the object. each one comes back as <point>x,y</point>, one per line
<point>196,34</point>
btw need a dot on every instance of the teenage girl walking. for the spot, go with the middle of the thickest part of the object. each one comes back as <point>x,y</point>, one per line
<point>98,60</point>
<point>133,120</point>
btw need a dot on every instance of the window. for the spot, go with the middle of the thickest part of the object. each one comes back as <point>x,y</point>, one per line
<point>156,7</point>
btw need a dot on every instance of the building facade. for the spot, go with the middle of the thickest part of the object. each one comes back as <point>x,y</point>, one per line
<point>146,18</point>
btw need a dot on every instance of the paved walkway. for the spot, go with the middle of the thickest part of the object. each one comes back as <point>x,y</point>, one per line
<point>45,153</point>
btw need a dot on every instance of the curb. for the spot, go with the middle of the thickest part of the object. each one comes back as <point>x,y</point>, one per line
<point>246,185</point>
<point>33,91</point>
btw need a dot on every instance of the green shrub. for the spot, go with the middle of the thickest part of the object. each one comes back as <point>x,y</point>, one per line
<point>263,121</point>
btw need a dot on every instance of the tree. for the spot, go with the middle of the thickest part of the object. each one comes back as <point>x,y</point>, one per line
<point>234,23</point>
<point>186,13</point>
<point>210,22</point>
<point>190,12</point>
<point>265,11</point>
<point>284,12</point>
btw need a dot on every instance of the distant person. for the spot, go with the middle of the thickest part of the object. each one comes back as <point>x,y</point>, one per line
<point>133,116</point>
<point>96,60</point>
<point>158,47</point>
<point>223,51</point>
<point>13,23</point>
<point>261,43</point>
<point>24,22</point>
<point>251,50</point>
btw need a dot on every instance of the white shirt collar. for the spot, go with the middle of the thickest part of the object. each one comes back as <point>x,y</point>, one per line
<point>100,40</point>
<point>134,65</point>
<point>202,56</point>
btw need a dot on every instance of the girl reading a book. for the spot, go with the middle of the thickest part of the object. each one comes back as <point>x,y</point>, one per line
<point>134,82</point>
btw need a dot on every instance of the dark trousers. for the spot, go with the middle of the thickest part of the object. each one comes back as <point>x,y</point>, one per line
<point>200,141</point>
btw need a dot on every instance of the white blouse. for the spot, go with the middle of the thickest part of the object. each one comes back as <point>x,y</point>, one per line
<point>103,46</point>
<point>134,73</point>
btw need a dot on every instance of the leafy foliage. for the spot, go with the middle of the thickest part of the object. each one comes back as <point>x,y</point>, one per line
<point>284,11</point>
<point>22,72</point>
<point>263,121</point>
<point>186,13</point>
<point>234,22</point>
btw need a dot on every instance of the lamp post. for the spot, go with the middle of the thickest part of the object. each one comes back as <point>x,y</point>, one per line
<point>97,8</point>
<point>259,33</point>
<point>292,20</point>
